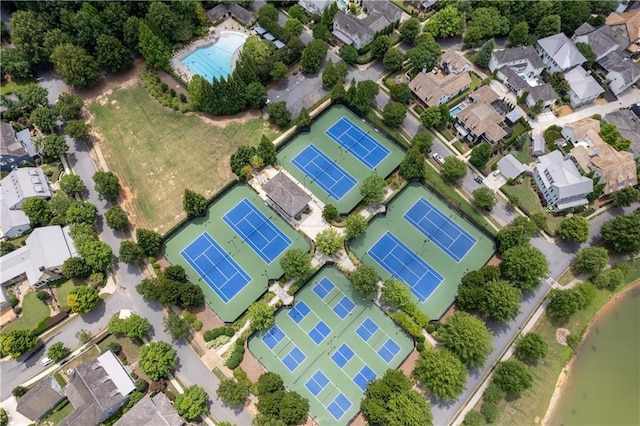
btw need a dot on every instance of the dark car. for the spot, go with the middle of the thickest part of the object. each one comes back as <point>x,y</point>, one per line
<point>478,178</point>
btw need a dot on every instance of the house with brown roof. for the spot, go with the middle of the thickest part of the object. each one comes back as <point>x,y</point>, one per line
<point>577,131</point>
<point>627,25</point>
<point>616,169</point>
<point>435,88</point>
<point>453,62</point>
<point>483,119</point>
<point>40,399</point>
<point>156,411</point>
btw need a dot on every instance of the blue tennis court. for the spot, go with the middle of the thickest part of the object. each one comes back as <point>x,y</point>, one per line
<point>317,383</point>
<point>403,264</point>
<point>342,355</point>
<point>323,287</point>
<point>367,329</point>
<point>357,142</point>
<point>364,376</point>
<point>294,358</point>
<point>216,267</point>
<point>344,307</point>
<point>273,336</point>
<point>257,230</point>
<point>339,406</point>
<point>440,229</point>
<point>299,312</point>
<point>319,332</point>
<point>389,350</point>
<point>324,171</point>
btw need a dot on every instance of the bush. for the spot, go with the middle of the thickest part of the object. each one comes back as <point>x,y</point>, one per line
<point>493,394</point>
<point>210,335</point>
<point>219,341</point>
<point>490,412</point>
<point>406,323</point>
<point>114,347</point>
<point>189,316</point>
<point>18,391</point>
<point>197,325</point>
<point>17,310</point>
<point>236,354</point>
<point>42,295</point>
<point>141,385</point>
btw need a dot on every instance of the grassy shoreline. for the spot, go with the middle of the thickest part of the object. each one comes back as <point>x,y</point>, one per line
<point>533,405</point>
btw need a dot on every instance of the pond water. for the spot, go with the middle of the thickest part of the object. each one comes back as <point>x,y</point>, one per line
<point>603,387</point>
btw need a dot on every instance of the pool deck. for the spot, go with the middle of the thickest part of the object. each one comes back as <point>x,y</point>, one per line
<point>226,27</point>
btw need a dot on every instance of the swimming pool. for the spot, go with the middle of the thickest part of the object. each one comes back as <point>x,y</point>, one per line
<point>455,110</point>
<point>215,60</point>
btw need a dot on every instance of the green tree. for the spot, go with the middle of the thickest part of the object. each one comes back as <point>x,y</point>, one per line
<point>149,241</point>
<point>51,146</point>
<point>45,119</point>
<point>445,23</point>
<point>241,158</point>
<point>365,279</point>
<point>279,71</point>
<point>501,301</point>
<point>329,241</point>
<point>68,106</point>
<point>260,314</point>
<point>130,252</point>
<point>176,326</point>
<point>256,95</point>
<point>622,233</point>
<point>473,418</point>
<point>513,377</point>
<point>431,117</point>
<point>4,417</point>
<point>279,114</point>
<point>117,218</point>
<point>397,294</point>
<point>330,213</point>
<point>467,337</point>
<point>58,351</point>
<point>334,74</point>
<point>609,278</point>
<point>380,46</point>
<point>453,169</point>
<point>111,54</point>
<point>349,54</point>
<point>192,403</point>
<point>6,247</point>
<point>82,212</point>
<point>303,119</point>
<point>413,165</point>
<point>97,254</point>
<point>393,59</point>
<point>157,360</point>
<point>588,53</point>
<point>548,26</point>
<point>107,185</point>
<point>591,260</point>
<point>625,197</point>
<point>154,50</point>
<point>27,32</point>
<point>524,265</point>
<point>484,54</point>
<point>355,225</point>
<point>485,22</point>
<point>409,29</point>
<point>484,198</point>
<point>559,83</point>
<point>293,27</point>
<point>76,267</point>
<point>14,64</point>
<point>531,347</point>
<point>266,150</point>
<point>338,92</point>
<point>77,129</point>
<point>134,327</point>
<point>232,393</point>
<point>16,343</point>
<point>426,54</point>
<point>37,210</point>
<point>75,65</point>
<point>400,93</point>
<point>564,303</point>
<point>84,336</point>
<point>295,263</point>
<point>373,189</point>
<point>82,299</point>
<point>574,228</point>
<point>394,114</point>
<point>519,34</point>
<point>442,373</point>
<point>298,12</point>
<point>313,55</point>
<point>32,96</point>
<point>193,203</point>
<point>175,273</point>
<point>480,155</point>
<point>293,408</point>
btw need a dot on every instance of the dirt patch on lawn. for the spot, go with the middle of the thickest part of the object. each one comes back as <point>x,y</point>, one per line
<point>251,365</point>
<point>112,81</point>
<point>224,120</point>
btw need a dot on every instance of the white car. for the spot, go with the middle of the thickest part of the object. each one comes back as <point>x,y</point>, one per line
<point>46,360</point>
<point>496,172</point>
<point>438,158</point>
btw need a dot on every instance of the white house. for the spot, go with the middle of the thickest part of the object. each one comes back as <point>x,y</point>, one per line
<point>560,183</point>
<point>359,32</point>
<point>584,88</point>
<point>524,60</point>
<point>17,186</point>
<point>602,40</point>
<point>315,7</point>
<point>621,72</point>
<point>559,54</point>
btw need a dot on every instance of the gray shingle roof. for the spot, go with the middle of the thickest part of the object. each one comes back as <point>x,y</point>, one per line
<point>543,92</point>
<point>629,126</point>
<point>24,183</point>
<point>564,175</point>
<point>522,53</point>
<point>350,25</point>
<point>514,80</point>
<point>156,411</point>
<point>383,7</point>
<point>562,50</point>
<point>40,399</point>
<point>601,41</point>
<point>629,71</point>
<point>286,194</point>
<point>242,14</point>
<point>510,166</point>
<point>582,83</point>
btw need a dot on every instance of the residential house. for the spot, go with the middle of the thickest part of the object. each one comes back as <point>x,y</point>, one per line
<point>40,259</point>
<point>584,88</point>
<point>627,26</point>
<point>538,144</point>
<point>617,170</point>
<point>621,72</point>
<point>560,182</point>
<point>16,187</point>
<point>577,131</point>
<point>559,54</point>
<point>602,40</point>
<point>40,399</point>
<point>483,118</point>
<point>453,62</point>
<point>524,60</point>
<point>436,88</point>
<point>359,32</point>
<point>156,411</point>
<point>286,196</point>
<point>15,148</point>
<point>315,7</point>
<point>97,390</point>
<point>628,125</point>
<point>424,5</point>
<point>536,93</point>
<point>510,167</point>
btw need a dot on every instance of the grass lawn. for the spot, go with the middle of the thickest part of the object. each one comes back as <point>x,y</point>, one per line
<point>529,202</point>
<point>534,402</point>
<point>131,349</point>
<point>62,292</point>
<point>158,152</point>
<point>523,155</point>
<point>33,312</point>
<point>61,412</point>
<point>15,85</point>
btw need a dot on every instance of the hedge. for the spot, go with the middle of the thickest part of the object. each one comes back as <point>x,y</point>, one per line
<point>235,356</point>
<point>216,332</point>
<point>406,323</point>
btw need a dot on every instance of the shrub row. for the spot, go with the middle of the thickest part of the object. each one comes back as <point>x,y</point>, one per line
<point>160,91</point>
<point>216,332</point>
<point>192,320</point>
<point>235,356</point>
<point>407,323</point>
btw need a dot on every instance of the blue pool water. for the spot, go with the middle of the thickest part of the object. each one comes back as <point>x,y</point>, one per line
<point>455,110</point>
<point>215,60</point>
